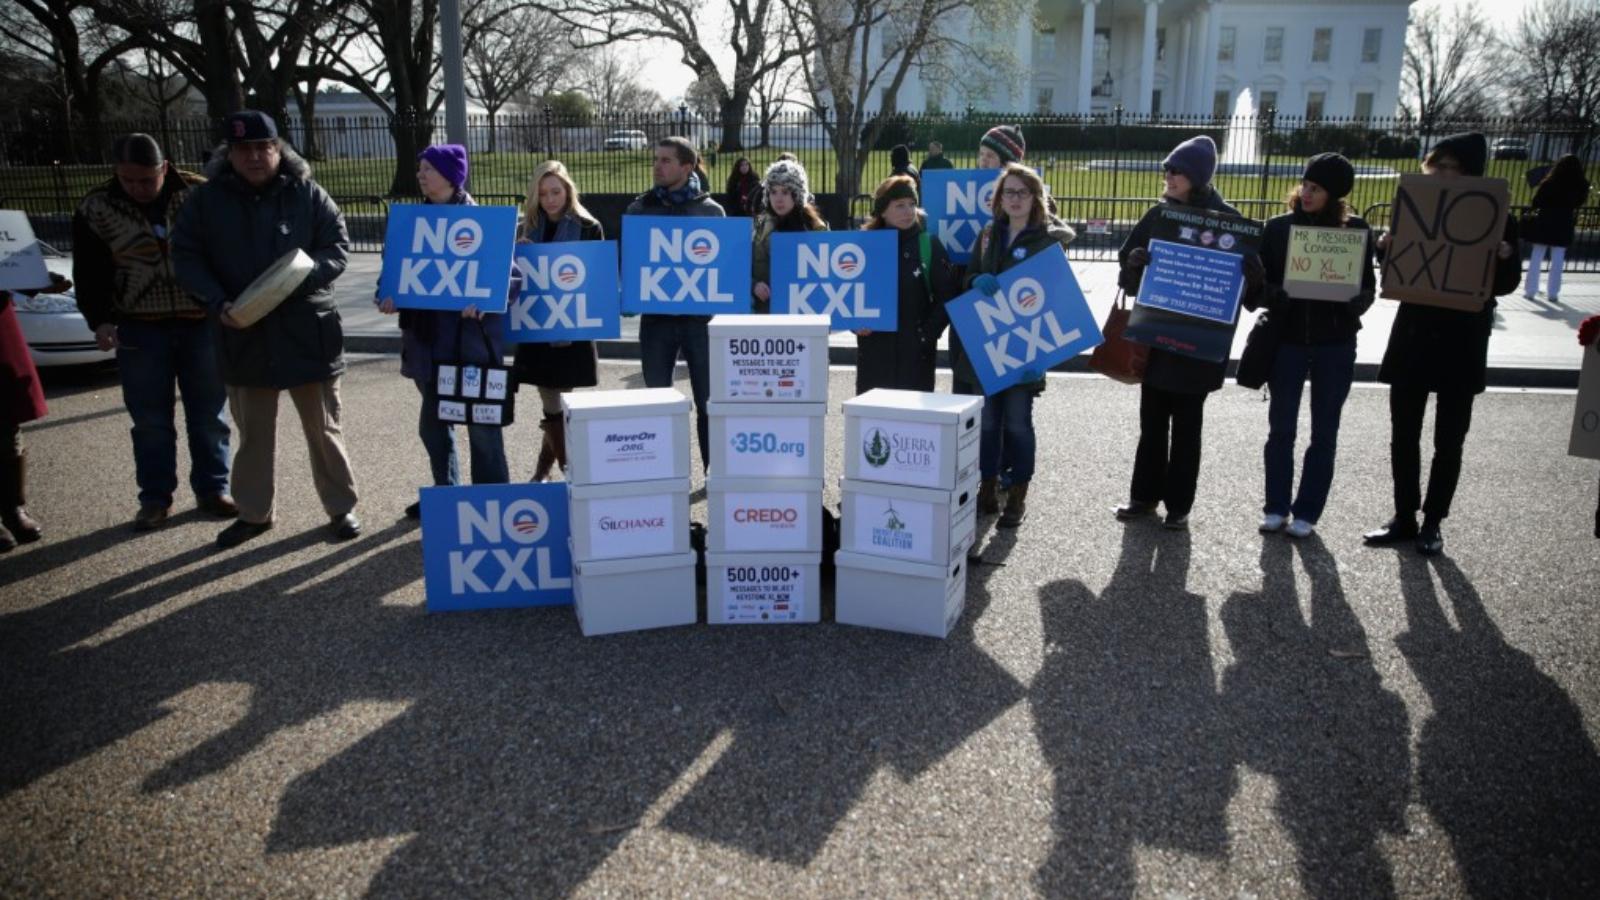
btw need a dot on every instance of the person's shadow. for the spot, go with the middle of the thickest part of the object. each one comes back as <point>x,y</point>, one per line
<point>1308,708</point>
<point>1505,765</point>
<point>1126,710</point>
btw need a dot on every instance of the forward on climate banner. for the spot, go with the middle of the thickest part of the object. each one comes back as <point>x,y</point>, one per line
<point>1039,318</point>
<point>448,257</point>
<point>570,292</point>
<point>1189,297</point>
<point>488,546</point>
<point>852,277</point>
<point>681,266</point>
<point>959,202</point>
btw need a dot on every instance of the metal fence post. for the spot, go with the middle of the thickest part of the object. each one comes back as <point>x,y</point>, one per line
<point>1266,145</point>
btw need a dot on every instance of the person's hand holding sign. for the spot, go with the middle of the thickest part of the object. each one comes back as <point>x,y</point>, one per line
<point>1503,251</point>
<point>762,291</point>
<point>1138,257</point>
<point>387,307</point>
<point>471,312</point>
<point>226,317</point>
<point>986,284</point>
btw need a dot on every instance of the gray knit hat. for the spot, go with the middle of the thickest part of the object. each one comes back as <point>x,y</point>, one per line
<point>790,175</point>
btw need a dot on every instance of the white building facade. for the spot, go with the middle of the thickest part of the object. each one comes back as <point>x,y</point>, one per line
<point>1311,58</point>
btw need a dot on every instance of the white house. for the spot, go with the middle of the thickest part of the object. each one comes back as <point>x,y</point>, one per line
<point>1312,58</point>
<point>350,125</point>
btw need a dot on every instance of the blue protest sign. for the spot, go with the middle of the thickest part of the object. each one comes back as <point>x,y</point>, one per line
<point>851,276</point>
<point>679,266</point>
<point>496,545</point>
<point>448,257</point>
<point>1193,281</point>
<point>570,292</point>
<point>959,202</point>
<point>1038,319</point>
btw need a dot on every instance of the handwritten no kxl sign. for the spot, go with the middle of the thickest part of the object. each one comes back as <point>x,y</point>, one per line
<point>448,257</point>
<point>681,266</point>
<point>1445,235</point>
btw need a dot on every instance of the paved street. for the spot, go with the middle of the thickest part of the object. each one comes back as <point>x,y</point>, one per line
<point>1122,711</point>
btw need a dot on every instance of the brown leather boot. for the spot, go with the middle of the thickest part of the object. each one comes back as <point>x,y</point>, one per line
<point>988,497</point>
<point>14,497</point>
<point>1016,506</point>
<point>547,453</point>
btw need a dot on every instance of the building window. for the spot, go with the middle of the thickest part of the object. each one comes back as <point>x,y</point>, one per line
<point>1269,100</point>
<point>1364,106</point>
<point>1273,52</point>
<point>1226,38</point>
<point>1371,44</point>
<point>1322,45</point>
<point>1315,101</point>
<point>1161,44</point>
<point>1221,102</point>
<point>1044,46</point>
<point>1045,97</point>
<point>1155,103</point>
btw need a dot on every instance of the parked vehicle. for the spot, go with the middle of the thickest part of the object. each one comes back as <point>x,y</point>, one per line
<point>56,332</point>
<point>1509,148</point>
<point>627,140</point>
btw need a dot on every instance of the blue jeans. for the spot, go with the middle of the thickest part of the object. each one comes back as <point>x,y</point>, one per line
<point>1007,432</point>
<point>660,340</point>
<point>487,444</point>
<point>152,359</point>
<point>1331,368</point>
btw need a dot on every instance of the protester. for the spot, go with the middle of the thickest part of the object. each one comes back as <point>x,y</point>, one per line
<point>553,214</point>
<point>21,400</point>
<point>677,192</point>
<point>904,358</point>
<point>742,182</point>
<point>259,204</point>
<point>900,164</point>
<point>1553,222</point>
<point>129,295</point>
<point>936,158</point>
<point>1021,229</point>
<point>1172,398</point>
<point>1589,336</point>
<point>758,202</point>
<point>1433,350</point>
<point>786,192</point>
<point>429,337</point>
<point>1000,145</point>
<point>1316,338</point>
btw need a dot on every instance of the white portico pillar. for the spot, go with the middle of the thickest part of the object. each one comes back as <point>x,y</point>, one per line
<point>1208,84</point>
<point>1197,67</point>
<point>1147,61</point>
<point>1178,72</point>
<point>1086,59</point>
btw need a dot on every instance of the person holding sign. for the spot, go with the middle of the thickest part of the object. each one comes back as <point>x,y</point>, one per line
<point>1552,223</point>
<point>1442,351</point>
<point>787,206</point>
<point>1021,229</point>
<point>553,214</point>
<point>1589,337</point>
<point>431,336</point>
<point>1320,281</point>
<point>1172,397</point>
<point>259,204</point>
<point>904,359</point>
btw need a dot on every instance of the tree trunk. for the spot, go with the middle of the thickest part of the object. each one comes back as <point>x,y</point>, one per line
<point>733,113</point>
<point>307,101</point>
<point>223,92</point>
<point>411,135</point>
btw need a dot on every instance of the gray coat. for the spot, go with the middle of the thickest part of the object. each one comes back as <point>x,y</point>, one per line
<point>228,233</point>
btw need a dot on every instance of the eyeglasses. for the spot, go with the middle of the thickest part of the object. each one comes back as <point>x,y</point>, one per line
<point>1170,170</point>
<point>1016,193</point>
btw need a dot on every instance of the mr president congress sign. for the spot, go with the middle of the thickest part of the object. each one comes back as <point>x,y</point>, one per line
<point>448,257</point>
<point>680,266</point>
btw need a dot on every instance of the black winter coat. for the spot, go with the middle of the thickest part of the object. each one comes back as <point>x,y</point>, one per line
<point>904,358</point>
<point>1309,322</point>
<point>995,257</point>
<point>1553,221</point>
<point>568,364</point>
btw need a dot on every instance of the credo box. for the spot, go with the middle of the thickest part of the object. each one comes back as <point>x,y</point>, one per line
<point>918,439</point>
<point>759,359</point>
<point>615,436</point>
<point>764,515</point>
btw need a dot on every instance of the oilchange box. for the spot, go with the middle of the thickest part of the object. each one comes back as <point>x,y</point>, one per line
<point>613,595</point>
<point>898,596</point>
<point>762,588</point>
<point>749,515</point>
<point>907,437</point>
<point>767,440</point>
<point>918,525</point>
<point>769,358</point>
<point>630,519</point>
<point>615,436</point>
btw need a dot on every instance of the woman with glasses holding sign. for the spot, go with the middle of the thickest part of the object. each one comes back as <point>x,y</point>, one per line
<point>1021,228</point>
<point>428,337</point>
<point>904,359</point>
<point>553,214</point>
<point>1320,282</point>
<point>786,205</point>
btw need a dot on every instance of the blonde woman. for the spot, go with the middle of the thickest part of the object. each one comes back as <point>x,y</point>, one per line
<point>553,214</point>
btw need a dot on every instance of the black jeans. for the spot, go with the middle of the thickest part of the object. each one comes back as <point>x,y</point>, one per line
<point>1163,471</point>
<point>1452,419</point>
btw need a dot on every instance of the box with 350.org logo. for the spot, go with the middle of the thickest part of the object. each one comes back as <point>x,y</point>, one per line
<point>750,515</point>
<point>926,440</point>
<point>764,359</point>
<point>630,520</point>
<point>617,436</point>
<point>767,440</point>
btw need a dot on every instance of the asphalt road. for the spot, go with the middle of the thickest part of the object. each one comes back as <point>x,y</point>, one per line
<point>1122,711</point>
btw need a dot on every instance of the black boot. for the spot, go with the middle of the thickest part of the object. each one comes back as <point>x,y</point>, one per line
<point>1398,530</point>
<point>1430,542</point>
<point>14,498</point>
<point>1016,506</point>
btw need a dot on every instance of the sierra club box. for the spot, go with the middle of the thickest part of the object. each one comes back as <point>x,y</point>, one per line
<point>913,438</point>
<point>630,519</point>
<point>763,588</point>
<point>894,595</point>
<point>758,358</point>
<point>615,595</point>
<point>919,525</point>
<point>616,436</point>
<point>759,515</point>
<point>767,440</point>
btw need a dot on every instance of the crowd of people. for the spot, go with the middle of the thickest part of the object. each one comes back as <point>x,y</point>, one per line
<point>162,255</point>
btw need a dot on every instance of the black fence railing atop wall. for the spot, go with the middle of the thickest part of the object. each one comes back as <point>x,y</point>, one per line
<point>1103,170</point>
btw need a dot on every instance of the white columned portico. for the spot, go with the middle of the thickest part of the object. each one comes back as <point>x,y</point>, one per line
<point>1208,83</point>
<point>1086,59</point>
<point>1147,59</point>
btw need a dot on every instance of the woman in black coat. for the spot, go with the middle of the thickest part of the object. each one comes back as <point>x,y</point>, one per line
<point>742,184</point>
<point>1433,350</point>
<point>904,358</point>
<point>1554,221</point>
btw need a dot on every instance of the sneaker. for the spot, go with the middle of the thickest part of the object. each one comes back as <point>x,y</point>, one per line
<point>241,531</point>
<point>1271,522</point>
<point>1133,509</point>
<point>1300,528</point>
<point>1176,522</point>
<point>151,517</point>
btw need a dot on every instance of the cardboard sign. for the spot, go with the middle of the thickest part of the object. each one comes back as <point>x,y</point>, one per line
<point>1325,263</point>
<point>570,292</point>
<point>448,257</point>
<point>1039,318</point>
<point>495,545</point>
<point>1188,301</point>
<point>852,277</point>
<point>1585,440</point>
<point>902,452</point>
<point>679,266</point>
<point>22,265</point>
<point>959,202</point>
<point>1443,242</point>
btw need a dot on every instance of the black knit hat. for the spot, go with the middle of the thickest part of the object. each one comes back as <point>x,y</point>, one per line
<point>1332,172</point>
<point>899,187</point>
<point>1470,149</point>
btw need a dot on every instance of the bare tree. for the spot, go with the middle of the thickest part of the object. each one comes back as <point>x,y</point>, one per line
<point>510,48</point>
<point>63,34</point>
<point>610,76</point>
<point>155,85</point>
<point>1451,64</point>
<point>774,91</point>
<point>1554,61</point>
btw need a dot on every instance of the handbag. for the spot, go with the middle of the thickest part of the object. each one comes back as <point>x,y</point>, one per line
<point>1260,352</point>
<point>473,393</point>
<point>1118,358</point>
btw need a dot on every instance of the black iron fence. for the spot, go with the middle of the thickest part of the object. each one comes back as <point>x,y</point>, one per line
<point>1103,170</point>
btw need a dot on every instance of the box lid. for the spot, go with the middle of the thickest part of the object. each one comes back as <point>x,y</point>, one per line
<point>617,404</point>
<point>916,406</point>
<point>844,559</point>
<point>633,564</point>
<point>729,325</point>
<point>718,484</point>
<point>630,489</point>
<point>746,558</point>
<point>757,410</point>
<point>936,496</point>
